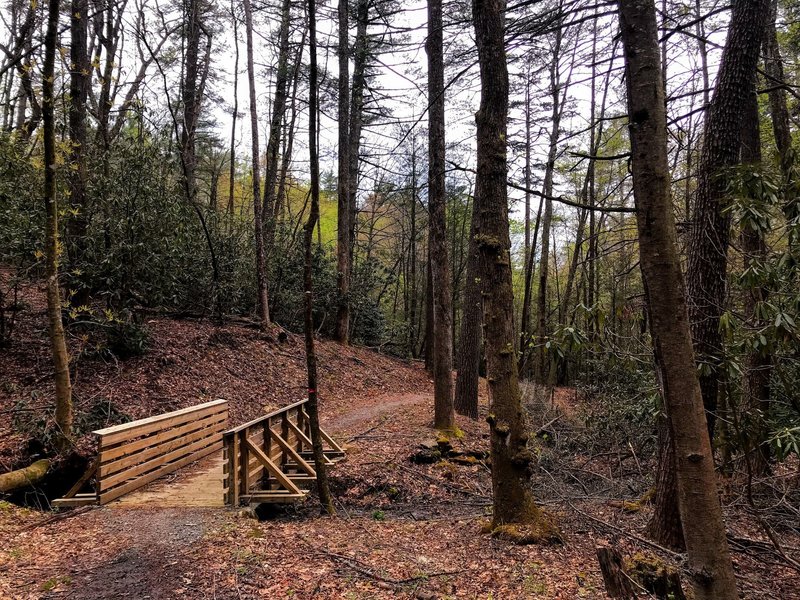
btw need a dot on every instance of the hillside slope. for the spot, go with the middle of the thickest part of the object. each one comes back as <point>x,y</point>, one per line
<point>188,362</point>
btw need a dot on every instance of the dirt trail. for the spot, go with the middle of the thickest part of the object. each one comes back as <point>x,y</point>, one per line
<point>384,405</point>
<point>149,531</point>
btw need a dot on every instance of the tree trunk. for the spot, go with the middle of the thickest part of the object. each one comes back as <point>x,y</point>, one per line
<point>412,312</point>
<point>758,363</point>
<point>262,301</point>
<point>530,245</point>
<point>710,565</point>
<point>361,53</point>
<point>342,331</point>
<point>428,340</point>
<point>232,166</point>
<point>58,343</point>
<point>664,525</point>
<point>78,91</point>
<point>28,476</point>
<point>444,415</point>
<point>512,461</point>
<point>773,67</point>
<point>289,136</point>
<point>710,235</point>
<point>468,354</point>
<point>541,357</point>
<point>273,142</point>
<point>323,487</point>
<point>191,96</point>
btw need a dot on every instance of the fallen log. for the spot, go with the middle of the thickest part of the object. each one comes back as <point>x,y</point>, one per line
<point>27,476</point>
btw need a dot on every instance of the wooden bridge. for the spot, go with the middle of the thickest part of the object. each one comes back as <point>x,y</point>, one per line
<point>268,459</point>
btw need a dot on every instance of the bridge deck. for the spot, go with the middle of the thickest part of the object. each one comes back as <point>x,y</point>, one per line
<point>197,485</point>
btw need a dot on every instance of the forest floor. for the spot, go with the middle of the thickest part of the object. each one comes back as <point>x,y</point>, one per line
<point>402,530</point>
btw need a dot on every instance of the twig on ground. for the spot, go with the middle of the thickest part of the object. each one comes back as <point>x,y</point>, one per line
<point>58,517</point>
<point>368,571</point>
<point>638,538</point>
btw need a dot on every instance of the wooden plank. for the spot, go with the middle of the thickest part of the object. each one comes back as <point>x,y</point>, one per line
<point>106,483</point>
<point>244,462</point>
<point>325,436</point>
<point>84,478</point>
<point>309,456</point>
<point>283,435</point>
<point>131,460</point>
<point>269,415</point>
<point>126,431</point>
<point>294,455</point>
<point>233,461</point>
<point>273,469</point>
<point>256,473</point>
<point>301,436</point>
<point>111,453</point>
<point>75,501</point>
<point>273,498</point>
<point>302,478</point>
<point>121,490</point>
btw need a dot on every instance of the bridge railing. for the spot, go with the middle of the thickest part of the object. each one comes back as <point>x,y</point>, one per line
<point>134,454</point>
<point>270,459</point>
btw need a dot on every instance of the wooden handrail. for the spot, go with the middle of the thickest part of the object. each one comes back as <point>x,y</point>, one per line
<point>265,465</point>
<point>140,423</point>
<point>263,418</point>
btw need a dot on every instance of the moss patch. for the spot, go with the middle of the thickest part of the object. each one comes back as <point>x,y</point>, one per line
<point>540,529</point>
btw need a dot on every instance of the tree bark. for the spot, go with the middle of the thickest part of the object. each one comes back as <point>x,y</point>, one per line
<point>78,92</point>
<point>58,343</point>
<point>262,300</point>
<point>360,55</point>
<point>191,95</point>
<point>342,331</point>
<point>773,67</point>
<point>710,234</point>
<point>273,142</point>
<point>468,355</point>
<point>28,476</point>
<point>444,415</point>
<point>235,116</point>
<point>664,525</point>
<point>428,340</point>
<point>412,312</point>
<point>710,565</point>
<point>512,461</point>
<point>541,358</point>
<point>323,488</point>
<point>758,363</point>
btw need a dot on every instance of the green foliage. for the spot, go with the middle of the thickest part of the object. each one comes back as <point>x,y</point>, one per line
<point>21,209</point>
<point>624,402</point>
<point>39,425</point>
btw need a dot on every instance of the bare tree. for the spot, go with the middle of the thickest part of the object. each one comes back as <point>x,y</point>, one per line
<point>262,303</point>
<point>323,487</point>
<point>710,564</point>
<point>444,415</point>
<point>512,461</point>
<point>58,344</point>
<point>343,242</point>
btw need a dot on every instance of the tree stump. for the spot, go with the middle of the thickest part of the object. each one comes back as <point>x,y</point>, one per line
<point>618,584</point>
